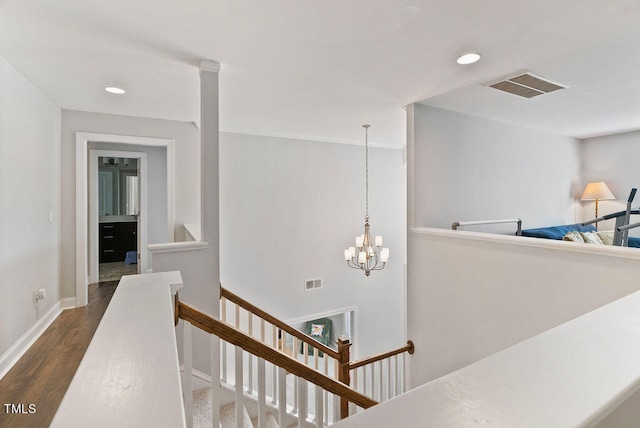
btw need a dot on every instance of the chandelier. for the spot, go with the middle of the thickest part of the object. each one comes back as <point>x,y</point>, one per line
<point>369,255</point>
<point>115,162</point>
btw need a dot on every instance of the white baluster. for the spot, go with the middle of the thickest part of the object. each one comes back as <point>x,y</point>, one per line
<point>274,375</point>
<point>388,378</point>
<point>319,414</point>
<point>315,359</point>
<point>326,365</point>
<point>274,384</point>
<point>237,317</point>
<point>262,405</point>
<point>302,401</point>
<point>239,387</point>
<point>250,383</point>
<point>395,375</point>
<point>373,381</point>
<point>325,397</point>
<point>223,346</point>
<point>187,379</point>
<point>354,378</point>
<point>380,383</point>
<point>364,380</point>
<point>223,351</point>
<point>275,337</point>
<point>282,397</point>
<point>405,385</point>
<point>215,381</point>
<point>295,396</point>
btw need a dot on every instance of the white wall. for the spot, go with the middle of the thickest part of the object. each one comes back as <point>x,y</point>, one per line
<point>29,191</point>
<point>473,294</point>
<point>289,208</point>
<point>611,159</point>
<point>469,168</point>
<point>187,172</point>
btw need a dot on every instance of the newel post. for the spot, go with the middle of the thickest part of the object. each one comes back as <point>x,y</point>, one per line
<point>344,348</point>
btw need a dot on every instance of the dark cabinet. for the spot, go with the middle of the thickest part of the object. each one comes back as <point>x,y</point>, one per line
<point>116,239</point>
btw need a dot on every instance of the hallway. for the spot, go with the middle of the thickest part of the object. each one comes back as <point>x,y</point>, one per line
<point>41,377</point>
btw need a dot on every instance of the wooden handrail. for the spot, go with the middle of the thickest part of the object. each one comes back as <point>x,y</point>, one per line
<point>280,324</point>
<point>409,347</point>
<point>236,337</point>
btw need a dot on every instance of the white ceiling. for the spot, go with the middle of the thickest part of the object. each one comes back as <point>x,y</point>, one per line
<point>320,69</point>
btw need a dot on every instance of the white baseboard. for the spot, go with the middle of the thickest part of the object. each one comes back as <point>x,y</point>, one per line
<point>68,303</point>
<point>11,357</point>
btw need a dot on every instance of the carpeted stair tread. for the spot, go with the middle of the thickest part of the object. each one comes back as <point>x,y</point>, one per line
<point>271,421</point>
<point>202,412</point>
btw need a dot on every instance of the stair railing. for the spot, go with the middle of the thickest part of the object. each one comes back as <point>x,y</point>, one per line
<point>263,353</point>
<point>381,376</point>
<point>274,332</point>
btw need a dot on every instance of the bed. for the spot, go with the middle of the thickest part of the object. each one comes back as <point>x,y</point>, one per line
<point>577,233</point>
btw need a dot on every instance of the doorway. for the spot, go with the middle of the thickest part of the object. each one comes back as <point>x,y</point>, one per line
<point>87,250</point>
<point>117,214</point>
<point>343,323</point>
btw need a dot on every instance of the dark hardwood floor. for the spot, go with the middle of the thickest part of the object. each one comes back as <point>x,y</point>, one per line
<point>43,374</point>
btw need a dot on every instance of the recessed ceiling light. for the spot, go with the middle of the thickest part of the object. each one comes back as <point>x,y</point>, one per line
<point>114,90</point>
<point>469,58</point>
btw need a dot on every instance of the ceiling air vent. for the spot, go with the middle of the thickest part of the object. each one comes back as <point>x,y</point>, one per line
<point>526,85</point>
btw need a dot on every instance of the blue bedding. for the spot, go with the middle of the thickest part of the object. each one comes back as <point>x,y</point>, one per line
<point>558,232</point>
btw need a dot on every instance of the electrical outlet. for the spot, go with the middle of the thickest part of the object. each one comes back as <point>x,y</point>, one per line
<point>39,294</point>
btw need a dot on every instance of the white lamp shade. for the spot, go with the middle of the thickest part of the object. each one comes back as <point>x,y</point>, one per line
<point>597,190</point>
<point>352,251</point>
<point>359,241</point>
<point>347,254</point>
<point>378,241</point>
<point>362,257</point>
<point>384,255</point>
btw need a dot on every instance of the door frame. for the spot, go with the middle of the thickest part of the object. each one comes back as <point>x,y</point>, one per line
<point>94,238</point>
<point>82,195</point>
<point>350,312</point>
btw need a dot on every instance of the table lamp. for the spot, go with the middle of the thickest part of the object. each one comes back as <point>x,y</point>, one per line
<point>597,191</point>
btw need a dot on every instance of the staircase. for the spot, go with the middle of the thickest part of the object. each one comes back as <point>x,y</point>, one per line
<point>263,383</point>
<point>202,413</point>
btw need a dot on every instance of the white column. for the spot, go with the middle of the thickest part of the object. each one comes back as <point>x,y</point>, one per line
<point>209,168</point>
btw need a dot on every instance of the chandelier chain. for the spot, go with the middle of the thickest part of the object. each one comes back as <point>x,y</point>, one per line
<point>366,168</point>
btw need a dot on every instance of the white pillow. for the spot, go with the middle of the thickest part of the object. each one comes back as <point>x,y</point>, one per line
<point>606,237</point>
<point>574,237</point>
<point>591,238</point>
